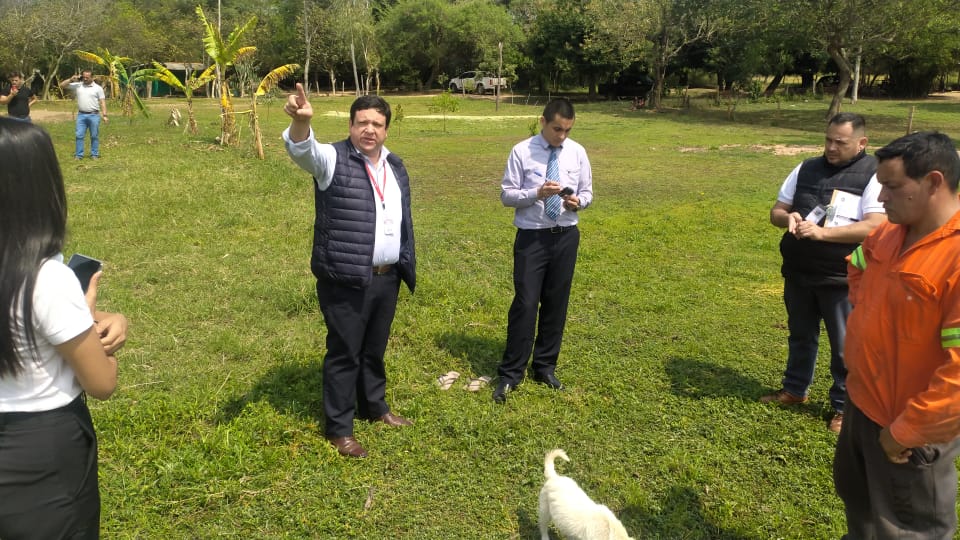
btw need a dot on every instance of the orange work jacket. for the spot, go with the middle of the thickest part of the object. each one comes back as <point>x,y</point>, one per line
<point>903,335</point>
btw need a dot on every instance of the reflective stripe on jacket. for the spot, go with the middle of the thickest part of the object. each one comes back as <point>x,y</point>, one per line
<point>903,335</point>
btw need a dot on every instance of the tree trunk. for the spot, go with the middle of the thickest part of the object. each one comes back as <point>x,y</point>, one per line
<point>49,78</point>
<point>434,75</point>
<point>356,75</point>
<point>660,71</point>
<point>307,36</point>
<point>774,84</point>
<point>255,125</point>
<point>228,121</point>
<point>591,85</point>
<point>843,71</point>
<point>856,78</point>
<point>191,118</point>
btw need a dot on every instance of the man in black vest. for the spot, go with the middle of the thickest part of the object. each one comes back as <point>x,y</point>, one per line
<point>362,250</point>
<point>828,205</point>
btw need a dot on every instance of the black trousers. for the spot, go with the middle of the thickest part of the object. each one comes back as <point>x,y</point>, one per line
<point>543,265</point>
<point>48,474</point>
<point>885,500</point>
<point>358,326</point>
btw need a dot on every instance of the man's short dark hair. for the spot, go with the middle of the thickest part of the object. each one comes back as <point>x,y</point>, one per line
<point>856,121</point>
<point>923,152</point>
<point>13,74</point>
<point>558,107</point>
<point>377,103</point>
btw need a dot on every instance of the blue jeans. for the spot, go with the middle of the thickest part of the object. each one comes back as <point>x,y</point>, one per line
<point>88,121</point>
<point>806,307</point>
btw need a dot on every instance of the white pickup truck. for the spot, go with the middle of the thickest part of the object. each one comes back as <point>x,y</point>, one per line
<point>477,81</point>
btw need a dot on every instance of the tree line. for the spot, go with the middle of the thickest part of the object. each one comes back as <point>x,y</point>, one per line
<point>540,45</point>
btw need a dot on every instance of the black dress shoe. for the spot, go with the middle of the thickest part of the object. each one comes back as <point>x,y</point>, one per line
<point>500,394</point>
<point>550,380</point>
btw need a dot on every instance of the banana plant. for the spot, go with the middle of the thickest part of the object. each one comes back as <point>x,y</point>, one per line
<point>269,82</point>
<point>191,83</point>
<point>122,85</point>
<point>224,54</point>
<point>129,96</point>
<point>113,63</point>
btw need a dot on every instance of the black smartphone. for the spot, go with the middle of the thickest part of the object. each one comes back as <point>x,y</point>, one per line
<point>84,267</point>
<point>566,191</point>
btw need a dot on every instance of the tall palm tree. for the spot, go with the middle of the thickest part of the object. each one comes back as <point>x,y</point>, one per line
<point>191,83</point>
<point>224,54</point>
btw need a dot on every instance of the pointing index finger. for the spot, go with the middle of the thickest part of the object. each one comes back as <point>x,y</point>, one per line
<point>301,94</point>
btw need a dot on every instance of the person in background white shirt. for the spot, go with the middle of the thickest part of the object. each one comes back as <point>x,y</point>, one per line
<point>814,255</point>
<point>363,248</point>
<point>91,109</point>
<point>55,348</point>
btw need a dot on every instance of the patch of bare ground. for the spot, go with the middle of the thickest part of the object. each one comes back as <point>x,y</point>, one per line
<point>38,115</point>
<point>776,149</point>
<point>950,96</point>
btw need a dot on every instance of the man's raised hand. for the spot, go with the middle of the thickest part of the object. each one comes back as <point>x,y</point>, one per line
<point>297,106</point>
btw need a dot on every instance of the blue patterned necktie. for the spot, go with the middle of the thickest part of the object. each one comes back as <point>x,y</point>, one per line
<point>553,203</point>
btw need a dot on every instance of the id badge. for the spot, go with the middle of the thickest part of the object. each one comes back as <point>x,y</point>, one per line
<point>816,214</point>
<point>388,227</point>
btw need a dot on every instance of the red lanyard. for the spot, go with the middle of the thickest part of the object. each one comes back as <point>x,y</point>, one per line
<point>373,180</point>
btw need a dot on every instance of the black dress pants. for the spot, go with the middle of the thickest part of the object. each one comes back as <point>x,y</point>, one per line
<point>358,326</point>
<point>543,265</point>
<point>48,474</point>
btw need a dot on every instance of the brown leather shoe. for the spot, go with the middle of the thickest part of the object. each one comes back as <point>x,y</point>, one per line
<point>348,446</point>
<point>393,420</point>
<point>836,423</point>
<point>783,397</point>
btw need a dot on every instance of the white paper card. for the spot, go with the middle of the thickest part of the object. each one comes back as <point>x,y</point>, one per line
<point>816,214</point>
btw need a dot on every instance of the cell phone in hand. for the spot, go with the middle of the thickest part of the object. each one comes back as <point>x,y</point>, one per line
<point>84,267</point>
<point>566,191</point>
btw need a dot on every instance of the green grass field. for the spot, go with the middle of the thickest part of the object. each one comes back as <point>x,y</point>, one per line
<point>676,327</point>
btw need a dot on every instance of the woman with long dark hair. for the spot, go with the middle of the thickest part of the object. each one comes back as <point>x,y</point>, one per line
<point>55,348</point>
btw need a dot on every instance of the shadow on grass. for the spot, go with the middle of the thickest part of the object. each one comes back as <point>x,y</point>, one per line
<point>680,515</point>
<point>527,526</point>
<point>292,388</point>
<point>695,379</point>
<point>808,120</point>
<point>482,353</point>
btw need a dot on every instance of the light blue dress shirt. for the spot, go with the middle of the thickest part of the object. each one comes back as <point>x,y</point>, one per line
<point>525,173</point>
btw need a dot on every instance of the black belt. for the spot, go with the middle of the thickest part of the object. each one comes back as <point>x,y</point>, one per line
<point>383,269</point>
<point>553,230</point>
<point>89,112</point>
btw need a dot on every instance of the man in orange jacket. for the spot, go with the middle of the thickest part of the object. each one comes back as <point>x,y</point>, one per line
<point>894,463</point>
